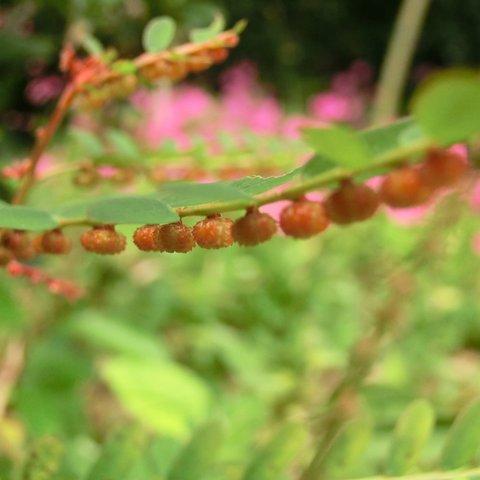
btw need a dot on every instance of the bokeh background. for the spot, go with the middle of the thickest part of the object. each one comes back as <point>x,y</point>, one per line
<point>258,338</point>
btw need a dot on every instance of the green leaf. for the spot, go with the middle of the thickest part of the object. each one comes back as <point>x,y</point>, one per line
<point>317,165</point>
<point>26,218</point>
<point>198,457</point>
<point>447,106</point>
<point>164,396</point>
<point>272,462</point>
<point>124,67</point>
<point>412,431</point>
<point>383,140</point>
<point>131,210</point>
<point>341,145</point>
<point>204,34</point>
<point>240,26</point>
<point>120,453</point>
<point>122,143</point>
<point>257,185</point>
<point>89,142</point>
<point>463,440</point>
<point>345,451</point>
<point>92,45</point>
<point>186,194</point>
<point>158,34</point>
<point>102,331</point>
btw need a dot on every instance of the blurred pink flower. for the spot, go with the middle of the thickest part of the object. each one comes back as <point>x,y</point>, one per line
<point>43,89</point>
<point>337,107</point>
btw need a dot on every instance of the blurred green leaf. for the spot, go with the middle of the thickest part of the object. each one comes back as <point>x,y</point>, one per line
<point>446,106</point>
<point>186,194</point>
<point>102,331</point>
<point>165,397</point>
<point>130,210</point>
<point>258,185</point>
<point>463,440</point>
<point>25,218</point>
<point>88,141</point>
<point>199,35</point>
<point>122,143</point>
<point>383,140</point>
<point>197,460</point>
<point>158,34</point>
<point>119,456</point>
<point>273,461</point>
<point>339,144</point>
<point>346,450</point>
<point>412,432</point>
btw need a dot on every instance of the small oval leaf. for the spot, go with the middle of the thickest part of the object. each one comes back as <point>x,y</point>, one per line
<point>158,34</point>
<point>186,194</point>
<point>339,144</point>
<point>204,34</point>
<point>197,459</point>
<point>131,210</point>
<point>26,218</point>
<point>272,461</point>
<point>412,431</point>
<point>447,106</point>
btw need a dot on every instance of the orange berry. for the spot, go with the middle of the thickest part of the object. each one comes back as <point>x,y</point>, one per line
<point>54,242</point>
<point>218,55</point>
<point>6,256</point>
<point>404,188</point>
<point>254,228</point>
<point>176,237</point>
<point>87,176</point>
<point>147,238</point>
<point>351,203</point>
<point>443,168</point>
<point>303,219</point>
<point>104,240</point>
<point>214,232</point>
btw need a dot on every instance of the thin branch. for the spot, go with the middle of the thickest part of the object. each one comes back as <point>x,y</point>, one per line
<point>44,135</point>
<point>386,161</point>
<point>398,59</point>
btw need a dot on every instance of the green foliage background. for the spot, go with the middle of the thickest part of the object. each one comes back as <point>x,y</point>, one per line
<point>220,365</point>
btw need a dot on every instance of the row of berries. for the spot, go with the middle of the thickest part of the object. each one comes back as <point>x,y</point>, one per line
<point>405,187</point>
<point>175,68</point>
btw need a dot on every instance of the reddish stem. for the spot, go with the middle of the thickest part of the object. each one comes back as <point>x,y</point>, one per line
<point>44,135</point>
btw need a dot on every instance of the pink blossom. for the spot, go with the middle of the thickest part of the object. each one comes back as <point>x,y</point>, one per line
<point>43,89</point>
<point>337,107</point>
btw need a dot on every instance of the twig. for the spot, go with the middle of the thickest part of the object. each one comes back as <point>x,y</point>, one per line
<point>384,161</point>
<point>44,135</point>
<point>398,59</point>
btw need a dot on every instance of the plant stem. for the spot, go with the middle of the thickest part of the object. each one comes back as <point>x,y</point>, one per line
<point>382,162</point>
<point>44,135</point>
<point>398,59</point>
